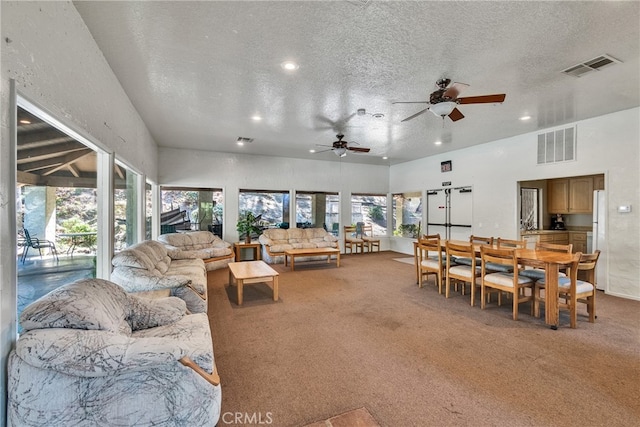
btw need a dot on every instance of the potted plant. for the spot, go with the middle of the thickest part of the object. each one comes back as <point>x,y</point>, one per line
<point>248,224</point>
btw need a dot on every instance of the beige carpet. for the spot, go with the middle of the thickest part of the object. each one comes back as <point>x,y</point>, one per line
<point>407,260</point>
<point>356,418</point>
<point>365,336</point>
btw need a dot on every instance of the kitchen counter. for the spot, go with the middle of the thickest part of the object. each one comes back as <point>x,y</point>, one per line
<point>572,230</point>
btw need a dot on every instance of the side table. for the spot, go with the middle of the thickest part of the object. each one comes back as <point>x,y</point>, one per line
<point>238,246</point>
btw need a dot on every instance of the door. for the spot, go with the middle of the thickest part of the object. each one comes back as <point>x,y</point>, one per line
<point>460,205</point>
<point>437,213</point>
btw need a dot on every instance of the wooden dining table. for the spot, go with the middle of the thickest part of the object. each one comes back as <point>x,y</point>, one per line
<point>550,261</point>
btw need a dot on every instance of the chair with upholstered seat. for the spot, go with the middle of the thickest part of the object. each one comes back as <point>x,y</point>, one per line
<point>351,241</point>
<point>512,282</point>
<point>39,244</point>
<point>461,273</point>
<point>573,290</point>
<point>474,240</point>
<point>430,260</point>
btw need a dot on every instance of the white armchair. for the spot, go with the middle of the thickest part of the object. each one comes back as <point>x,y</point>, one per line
<point>91,354</point>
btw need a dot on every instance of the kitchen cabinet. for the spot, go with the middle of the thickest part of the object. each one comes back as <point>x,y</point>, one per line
<point>557,238</point>
<point>598,182</point>
<point>570,195</point>
<point>579,241</point>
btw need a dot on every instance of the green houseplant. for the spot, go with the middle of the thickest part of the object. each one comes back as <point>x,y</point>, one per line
<point>248,224</point>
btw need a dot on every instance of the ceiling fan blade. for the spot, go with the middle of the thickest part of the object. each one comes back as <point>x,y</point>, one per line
<point>322,151</point>
<point>416,115</point>
<point>484,99</point>
<point>323,145</point>
<point>359,149</point>
<point>456,115</point>
<point>454,90</point>
<point>410,102</point>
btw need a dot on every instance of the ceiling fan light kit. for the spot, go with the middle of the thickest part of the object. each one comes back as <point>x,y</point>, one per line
<point>340,152</point>
<point>443,108</point>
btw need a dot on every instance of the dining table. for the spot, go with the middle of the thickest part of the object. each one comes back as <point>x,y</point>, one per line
<point>77,239</point>
<point>550,261</point>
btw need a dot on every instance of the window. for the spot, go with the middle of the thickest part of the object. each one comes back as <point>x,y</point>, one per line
<point>529,208</point>
<point>148,210</point>
<point>125,207</point>
<point>191,209</point>
<point>317,209</point>
<point>370,209</point>
<point>273,206</point>
<point>407,214</point>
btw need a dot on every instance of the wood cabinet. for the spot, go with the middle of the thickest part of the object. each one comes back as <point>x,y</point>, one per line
<point>570,195</point>
<point>579,241</point>
<point>558,195</point>
<point>598,182</point>
<point>557,238</point>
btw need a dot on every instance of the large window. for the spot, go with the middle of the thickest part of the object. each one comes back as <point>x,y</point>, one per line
<point>370,209</point>
<point>191,209</point>
<point>125,205</point>
<point>407,214</point>
<point>272,206</point>
<point>317,209</point>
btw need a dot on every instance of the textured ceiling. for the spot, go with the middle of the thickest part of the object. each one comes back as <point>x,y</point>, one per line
<point>198,71</point>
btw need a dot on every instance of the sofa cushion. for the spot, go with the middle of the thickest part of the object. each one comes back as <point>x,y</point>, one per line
<point>93,304</point>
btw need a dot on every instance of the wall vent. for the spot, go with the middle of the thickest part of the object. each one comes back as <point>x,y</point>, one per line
<point>557,146</point>
<point>594,64</point>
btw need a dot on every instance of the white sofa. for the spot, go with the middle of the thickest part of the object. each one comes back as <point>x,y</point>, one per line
<point>215,252</point>
<point>92,355</point>
<point>146,268</point>
<point>275,241</point>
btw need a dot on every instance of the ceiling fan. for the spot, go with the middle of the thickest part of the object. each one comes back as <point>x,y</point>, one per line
<point>341,147</point>
<point>444,100</point>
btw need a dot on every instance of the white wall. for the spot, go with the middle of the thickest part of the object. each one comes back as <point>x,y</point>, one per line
<point>607,144</point>
<point>48,51</point>
<point>233,172</point>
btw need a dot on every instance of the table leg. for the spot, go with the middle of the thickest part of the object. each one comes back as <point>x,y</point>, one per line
<point>293,261</point>
<point>551,312</point>
<point>285,260</point>
<point>338,260</point>
<point>240,282</point>
<point>258,254</point>
<point>275,288</point>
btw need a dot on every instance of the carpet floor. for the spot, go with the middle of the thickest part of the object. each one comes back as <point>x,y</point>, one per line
<point>365,336</point>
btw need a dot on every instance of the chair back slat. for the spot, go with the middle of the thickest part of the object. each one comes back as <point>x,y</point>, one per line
<point>544,246</point>
<point>512,244</point>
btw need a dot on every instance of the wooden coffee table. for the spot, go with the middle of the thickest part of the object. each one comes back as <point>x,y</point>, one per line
<point>247,272</point>
<point>293,253</point>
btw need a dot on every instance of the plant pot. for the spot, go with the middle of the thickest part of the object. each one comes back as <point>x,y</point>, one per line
<point>247,239</point>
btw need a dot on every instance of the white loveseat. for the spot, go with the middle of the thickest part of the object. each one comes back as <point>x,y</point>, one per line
<point>215,252</point>
<point>93,355</point>
<point>146,268</point>
<point>275,241</point>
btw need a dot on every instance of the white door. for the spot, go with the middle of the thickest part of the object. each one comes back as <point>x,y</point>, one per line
<point>437,213</point>
<point>461,203</point>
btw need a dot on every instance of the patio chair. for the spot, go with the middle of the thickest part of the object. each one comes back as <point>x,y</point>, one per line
<point>35,243</point>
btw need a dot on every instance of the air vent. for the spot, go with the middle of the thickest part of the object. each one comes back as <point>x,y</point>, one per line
<point>243,140</point>
<point>557,146</point>
<point>594,64</point>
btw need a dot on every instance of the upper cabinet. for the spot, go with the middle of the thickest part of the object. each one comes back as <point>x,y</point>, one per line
<point>598,182</point>
<point>570,195</point>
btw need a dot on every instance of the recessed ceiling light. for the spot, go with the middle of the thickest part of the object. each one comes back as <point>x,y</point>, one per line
<point>377,115</point>
<point>525,118</point>
<point>312,151</point>
<point>438,142</point>
<point>385,158</point>
<point>289,65</point>
<point>25,122</point>
<point>256,118</point>
<point>240,143</point>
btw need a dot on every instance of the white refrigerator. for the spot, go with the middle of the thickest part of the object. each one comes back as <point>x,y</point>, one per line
<point>449,212</point>
<point>600,237</point>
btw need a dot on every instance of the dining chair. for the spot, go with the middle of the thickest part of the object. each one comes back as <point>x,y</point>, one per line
<point>366,234</point>
<point>512,282</point>
<point>538,273</point>
<point>39,244</point>
<point>474,240</point>
<point>573,290</point>
<point>430,260</point>
<point>461,273</point>
<point>351,241</point>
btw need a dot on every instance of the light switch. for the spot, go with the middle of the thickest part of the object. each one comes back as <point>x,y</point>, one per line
<point>624,209</point>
